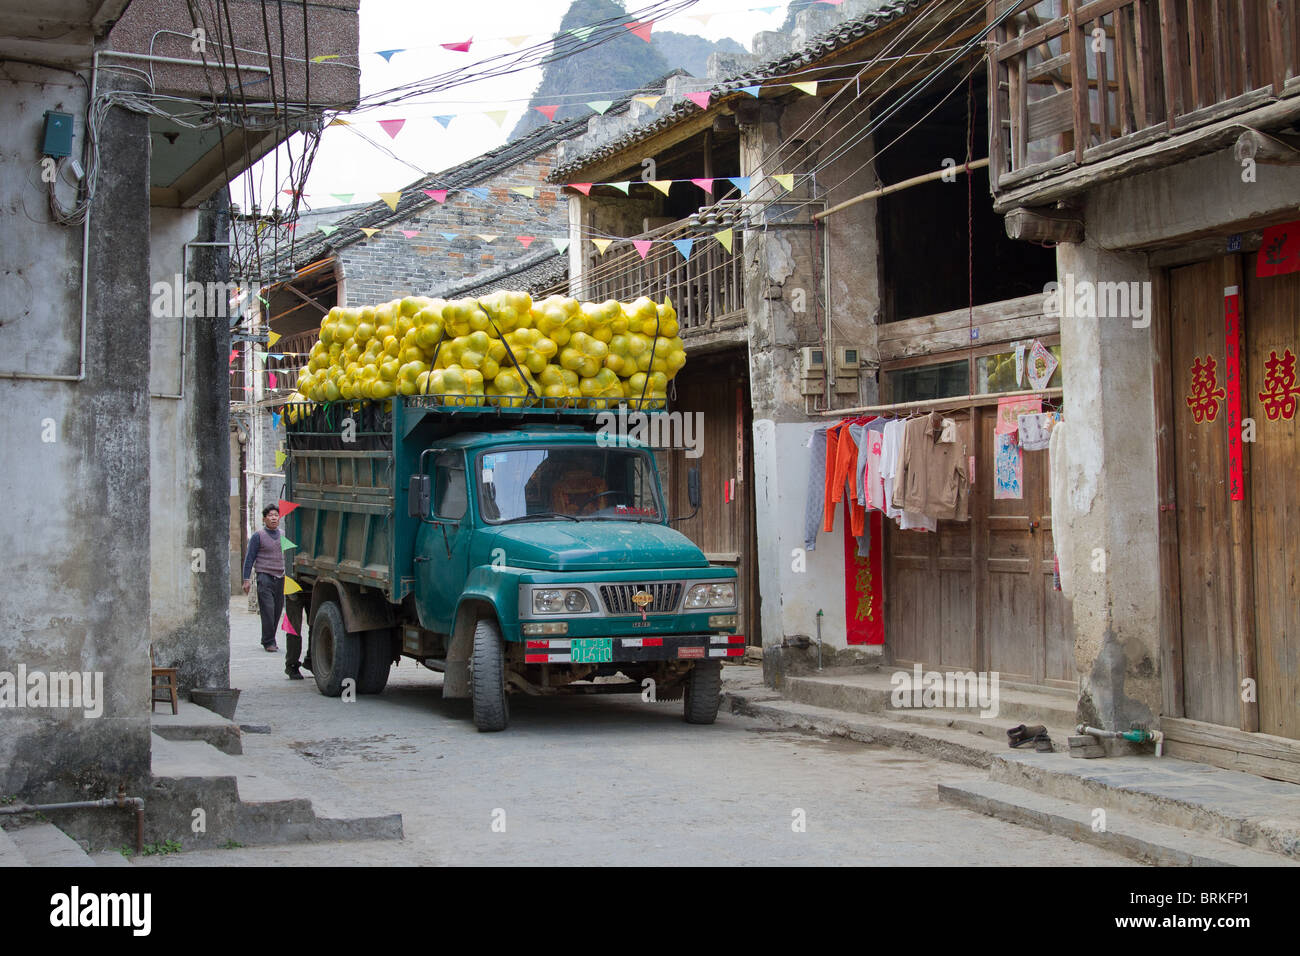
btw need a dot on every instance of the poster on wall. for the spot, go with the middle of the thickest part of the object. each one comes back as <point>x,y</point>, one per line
<point>864,591</point>
<point>1042,365</point>
<point>1279,251</point>
<point>1008,468</point>
<point>1232,343</point>
<point>1010,410</point>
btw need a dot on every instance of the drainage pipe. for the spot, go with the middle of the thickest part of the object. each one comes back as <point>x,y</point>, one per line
<point>121,800</point>
<point>1132,736</point>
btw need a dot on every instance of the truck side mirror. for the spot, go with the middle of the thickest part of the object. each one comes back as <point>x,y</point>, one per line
<point>693,486</point>
<point>419,496</point>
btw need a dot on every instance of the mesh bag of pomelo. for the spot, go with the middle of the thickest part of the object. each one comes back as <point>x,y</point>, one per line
<point>502,350</point>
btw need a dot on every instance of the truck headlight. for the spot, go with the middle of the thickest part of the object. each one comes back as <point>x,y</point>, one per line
<point>560,600</point>
<point>711,595</point>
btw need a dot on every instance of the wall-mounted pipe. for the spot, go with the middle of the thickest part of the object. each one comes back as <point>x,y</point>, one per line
<point>185,258</point>
<point>121,800</point>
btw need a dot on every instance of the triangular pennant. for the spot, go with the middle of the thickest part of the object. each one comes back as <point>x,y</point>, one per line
<point>547,111</point>
<point>809,88</point>
<point>286,626</point>
<point>388,54</point>
<point>290,226</point>
<point>831,3</point>
<point>336,121</point>
<point>437,195</point>
<point>642,246</point>
<point>410,233</point>
<point>700,99</point>
<point>291,586</point>
<point>285,506</point>
<point>272,338</point>
<point>560,244</point>
<point>328,230</point>
<point>369,231</point>
<point>392,126</point>
<point>581,32</point>
<point>496,116</point>
<point>234,354</point>
<point>278,356</point>
<point>768,10</point>
<point>621,187</point>
<point>285,543</point>
<point>705,184</point>
<point>529,191</point>
<point>663,185</point>
<point>724,236</point>
<point>684,246</point>
<point>525,241</point>
<point>449,236</point>
<point>601,244</point>
<point>275,423</point>
<point>741,183</point>
<point>601,105</point>
<point>260,227</point>
<point>392,199</point>
<point>344,198</point>
<point>270,379</point>
<point>486,238</point>
<point>279,458</point>
<point>584,188</point>
<point>641,29</point>
<point>477,192</point>
<point>325,56</point>
<point>649,101</point>
<point>702,18</point>
<point>786,180</point>
<point>751,90</point>
<point>445,121</point>
<point>462,47</point>
<point>516,41</point>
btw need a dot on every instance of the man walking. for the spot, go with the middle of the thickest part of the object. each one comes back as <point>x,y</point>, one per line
<point>266,557</point>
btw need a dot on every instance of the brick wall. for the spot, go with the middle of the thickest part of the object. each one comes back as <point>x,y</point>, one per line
<point>390,265</point>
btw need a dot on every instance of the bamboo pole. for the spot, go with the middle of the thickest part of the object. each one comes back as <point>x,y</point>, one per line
<point>905,184</point>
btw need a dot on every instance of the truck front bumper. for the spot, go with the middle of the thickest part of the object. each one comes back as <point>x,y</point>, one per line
<point>604,650</point>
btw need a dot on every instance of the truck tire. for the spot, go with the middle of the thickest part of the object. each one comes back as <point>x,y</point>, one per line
<point>487,678</point>
<point>703,693</point>
<point>376,661</point>
<point>335,651</point>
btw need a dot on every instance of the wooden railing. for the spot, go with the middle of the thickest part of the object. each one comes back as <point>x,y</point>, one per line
<point>1074,81</point>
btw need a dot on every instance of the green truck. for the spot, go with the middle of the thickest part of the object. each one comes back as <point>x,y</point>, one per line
<point>514,550</point>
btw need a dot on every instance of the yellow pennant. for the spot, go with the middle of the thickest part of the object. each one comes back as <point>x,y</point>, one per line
<point>339,122</point>
<point>392,199</point>
<point>649,101</point>
<point>809,88</point>
<point>279,458</point>
<point>272,338</point>
<point>323,58</point>
<point>724,237</point>
<point>369,232</point>
<point>663,185</point>
<point>486,238</point>
<point>498,116</point>
<point>516,41</point>
<point>529,191</point>
<point>291,586</point>
<point>601,244</point>
<point>786,180</point>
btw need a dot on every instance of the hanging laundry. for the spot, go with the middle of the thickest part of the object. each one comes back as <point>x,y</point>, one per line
<point>1010,410</point>
<point>891,454</point>
<point>1035,431</point>
<point>815,504</point>
<point>834,491</point>
<point>932,477</point>
<point>874,487</point>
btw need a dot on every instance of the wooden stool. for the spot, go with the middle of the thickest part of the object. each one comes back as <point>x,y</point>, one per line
<point>162,679</point>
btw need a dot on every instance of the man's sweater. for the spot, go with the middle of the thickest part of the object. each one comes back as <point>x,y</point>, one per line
<point>264,554</point>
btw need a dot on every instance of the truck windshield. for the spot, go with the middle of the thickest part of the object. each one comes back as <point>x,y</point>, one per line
<point>544,484</point>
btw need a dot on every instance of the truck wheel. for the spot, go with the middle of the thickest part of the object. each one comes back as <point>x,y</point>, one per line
<point>376,661</point>
<point>703,693</point>
<point>335,651</point>
<point>487,678</point>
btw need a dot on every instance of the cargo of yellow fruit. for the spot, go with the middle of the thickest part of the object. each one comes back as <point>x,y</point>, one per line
<point>566,353</point>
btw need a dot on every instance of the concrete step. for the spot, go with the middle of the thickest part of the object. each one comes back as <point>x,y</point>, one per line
<point>44,844</point>
<point>877,691</point>
<point>192,722</point>
<point>1251,811</point>
<point>10,855</point>
<point>980,726</point>
<point>1121,832</point>
<point>244,802</point>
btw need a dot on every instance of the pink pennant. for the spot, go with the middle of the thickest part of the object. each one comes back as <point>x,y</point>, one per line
<point>641,29</point>
<point>547,111</point>
<point>642,246</point>
<point>525,241</point>
<point>699,99</point>
<point>270,378</point>
<point>437,195</point>
<point>291,226</point>
<point>234,354</point>
<point>705,184</point>
<point>410,233</point>
<point>392,126</point>
<point>458,47</point>
<point>288,628</point>
<point>584,188</point>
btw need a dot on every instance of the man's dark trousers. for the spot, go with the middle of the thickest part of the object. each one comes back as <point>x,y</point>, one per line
<point>270,604</point>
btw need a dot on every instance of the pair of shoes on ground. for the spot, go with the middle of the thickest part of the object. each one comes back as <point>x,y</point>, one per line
<point>271,648</point>
<point>294,673</point>
<point>1035,734</point>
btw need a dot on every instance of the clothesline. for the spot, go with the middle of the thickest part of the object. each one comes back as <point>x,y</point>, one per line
<point>936,404</point>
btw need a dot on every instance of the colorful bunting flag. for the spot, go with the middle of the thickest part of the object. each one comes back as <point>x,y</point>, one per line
<point>601,105</point>
<point>786,180</point>
<point>741,183</point>
<point>525,241</point>
<point>337,121</point>
<point>621,187</point>
<point>457,47</point>
<point>285,543</point>
<point>275,423</point>
<point>640,29</point>
<point>388,54</point>
<point>344,198</point>
<point>516,41</point>
<point>486,238</point>
<point>392,199</point>
<point>328,230</point>
<point>702,18</point>
<point>700,99</point>
<point>724,237</point>
<point>642,246</point>
<point>270,379</point>
<point>705,184</point>
<point>325,56</point>
<point>581,32</point>
<point>437,195</point>
<point>392,127</point>
<point>272,337</point>
<point>496,116</point>
<point>449,236</point>
<point>809,88</point>
<point>663,185</point>
<point>445,120</point>
<point>410,233</point>
<point>601,244</point>
<point>751,90</point>
<point>684,246</point>
<point>649,101</point>
<point>234,354</point>
<point>547,111</point>
<point>285,506</point>
<point>286,626</point>
<point>529,191</point>
<point>291,586</point>
<point>560,245</point>
<point>369,231</point>
<point>279,458</point>
<point>479,192</point>
<point>584,188</point>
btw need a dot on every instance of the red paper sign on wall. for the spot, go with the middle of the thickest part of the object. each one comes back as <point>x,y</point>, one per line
<point>1232,341</point>
<point>864,593</point>
<point>1279,252</point>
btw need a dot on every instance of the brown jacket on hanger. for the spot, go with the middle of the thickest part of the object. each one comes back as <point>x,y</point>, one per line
<point>932,476</point>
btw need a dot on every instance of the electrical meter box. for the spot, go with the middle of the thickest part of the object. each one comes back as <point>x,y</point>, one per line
<point>57,139</point>
<point>847,365</point>
<point>812,370</point>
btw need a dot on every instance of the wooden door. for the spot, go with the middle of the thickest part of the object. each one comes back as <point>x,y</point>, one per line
<point>1210,680</point>
<point>1271,310</point>
<point>1025,620</point>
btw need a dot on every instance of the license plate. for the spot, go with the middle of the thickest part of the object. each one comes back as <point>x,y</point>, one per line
<point>594,650</point>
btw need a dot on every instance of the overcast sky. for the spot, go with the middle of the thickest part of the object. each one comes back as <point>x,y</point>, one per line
<point>345,163</point>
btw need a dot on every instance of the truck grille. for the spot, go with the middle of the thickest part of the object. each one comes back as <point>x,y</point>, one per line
<point>617,598</point>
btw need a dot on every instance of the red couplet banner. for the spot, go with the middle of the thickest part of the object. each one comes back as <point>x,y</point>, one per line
<point>1232,343</point>
<point>864,592</point>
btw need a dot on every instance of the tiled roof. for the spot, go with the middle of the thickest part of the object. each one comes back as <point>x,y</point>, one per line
<point>540,270</point>
<point>816,49</point>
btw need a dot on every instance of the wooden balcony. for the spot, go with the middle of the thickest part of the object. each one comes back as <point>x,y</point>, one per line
<point>1072,82</point>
